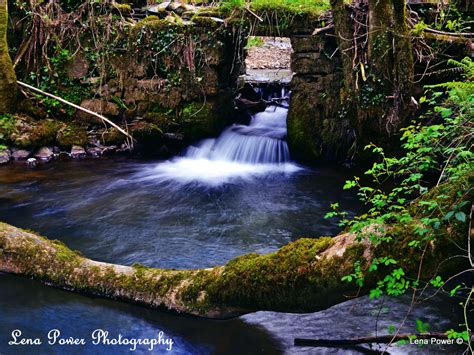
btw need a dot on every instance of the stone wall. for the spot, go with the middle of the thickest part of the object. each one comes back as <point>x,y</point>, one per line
<point>172,79</point>
<point>175,76</point>
<point>317,126</point>
<point>168,80</point>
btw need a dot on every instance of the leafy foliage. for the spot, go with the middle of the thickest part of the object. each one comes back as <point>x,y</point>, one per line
<point>52,78</point>
<point>437,148</point>
<point>7,126</point>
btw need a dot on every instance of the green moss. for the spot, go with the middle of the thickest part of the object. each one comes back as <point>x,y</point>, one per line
<point>72,135</point>
<point>146,133</point>
<point>112,136</point>
<point>35,134</point>
<point>206,22</point>
<point>64,254</point>
<point>210,12</point>
<point>199,120</point>
<point>291,277</point>
<point>282,7</point>
<point>123,8</point>
<point>304,126</point>
<point>8,86</point>
<point>162,120</point>
<point>155,24</point>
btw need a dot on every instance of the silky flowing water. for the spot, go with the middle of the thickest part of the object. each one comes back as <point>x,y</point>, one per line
<point>235,194</point>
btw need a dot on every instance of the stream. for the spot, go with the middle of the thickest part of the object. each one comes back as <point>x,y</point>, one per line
<point>227,196</point>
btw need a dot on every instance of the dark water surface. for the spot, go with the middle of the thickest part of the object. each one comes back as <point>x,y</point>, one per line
<point>123,211</point>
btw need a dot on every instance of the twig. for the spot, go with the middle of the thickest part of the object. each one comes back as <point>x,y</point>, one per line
<point>466,304</point>
<point>253,13</point>
<point>317,31</point>
<point>454,34</point>
<point>469,255</point>
<point>76,107</point>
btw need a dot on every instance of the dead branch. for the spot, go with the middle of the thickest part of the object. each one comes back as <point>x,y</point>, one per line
<point>76,107</point>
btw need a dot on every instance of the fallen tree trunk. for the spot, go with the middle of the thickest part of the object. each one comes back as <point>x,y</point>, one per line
<point>302,276</point>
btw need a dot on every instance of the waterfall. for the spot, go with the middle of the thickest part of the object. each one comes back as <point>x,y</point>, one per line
<point>241,151</point>
<point>261,142</point>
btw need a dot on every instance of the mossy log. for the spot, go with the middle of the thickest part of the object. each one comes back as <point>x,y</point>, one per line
<point>302,276</point>
<point>8,87</point>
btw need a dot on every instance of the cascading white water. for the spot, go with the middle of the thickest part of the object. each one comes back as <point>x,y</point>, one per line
<point>261,142</point>
<point>239,152</point>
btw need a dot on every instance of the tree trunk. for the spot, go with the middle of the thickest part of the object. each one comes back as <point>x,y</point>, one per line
<point>380,48</point>
<point>378,80</point>
<point>345,43</point>
<point>391,60</point>
<point>8,86</point>
<point>302,276</point>
<point>403,53</point>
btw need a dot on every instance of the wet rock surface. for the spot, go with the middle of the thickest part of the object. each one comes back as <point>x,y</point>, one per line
<point>32,162</point>
<point>5,156</point>
<point>44,154</point>
<point>77,152</point>
<point>21,154</point>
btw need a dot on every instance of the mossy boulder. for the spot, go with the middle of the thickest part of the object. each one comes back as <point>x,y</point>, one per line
<point>163,120</point>
<point>112,136</point>
<point>72,135</point>
<point>207,22</point>
<point>155,24</point>
<point>35,134</point>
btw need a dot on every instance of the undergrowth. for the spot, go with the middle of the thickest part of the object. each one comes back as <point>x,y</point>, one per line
<point>403,192</point>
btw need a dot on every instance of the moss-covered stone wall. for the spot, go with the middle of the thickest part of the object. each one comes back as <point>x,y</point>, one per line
<point>163,74</point>
<point>176,77</point>
<point>317,124</point>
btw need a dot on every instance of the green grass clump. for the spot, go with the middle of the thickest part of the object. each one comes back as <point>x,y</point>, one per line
<point>254,41</point>
<point>286,6</point>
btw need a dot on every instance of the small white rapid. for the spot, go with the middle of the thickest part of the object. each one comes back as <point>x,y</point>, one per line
<point>240,152</point>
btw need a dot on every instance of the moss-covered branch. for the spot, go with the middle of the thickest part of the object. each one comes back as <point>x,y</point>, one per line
<point>304,275</point>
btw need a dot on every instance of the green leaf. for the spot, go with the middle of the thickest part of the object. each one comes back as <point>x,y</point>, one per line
<point>449,215</point>
<point>454,290</point>
<point>437,281</point>
<point>349,184</point>
<point>375,293</point>
<point>347,278</point>
<point>460,216</point>
<point>422,327</point>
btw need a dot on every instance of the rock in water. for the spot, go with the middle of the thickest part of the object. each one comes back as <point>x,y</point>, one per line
<point>94,152</point>
<point>44,154</point>
<point>32,162</point>
<point>21,154</point>
<point>77,152</point>
<point>4,156</point>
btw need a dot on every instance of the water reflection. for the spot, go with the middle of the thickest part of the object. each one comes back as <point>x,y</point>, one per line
<point>35,309</point>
